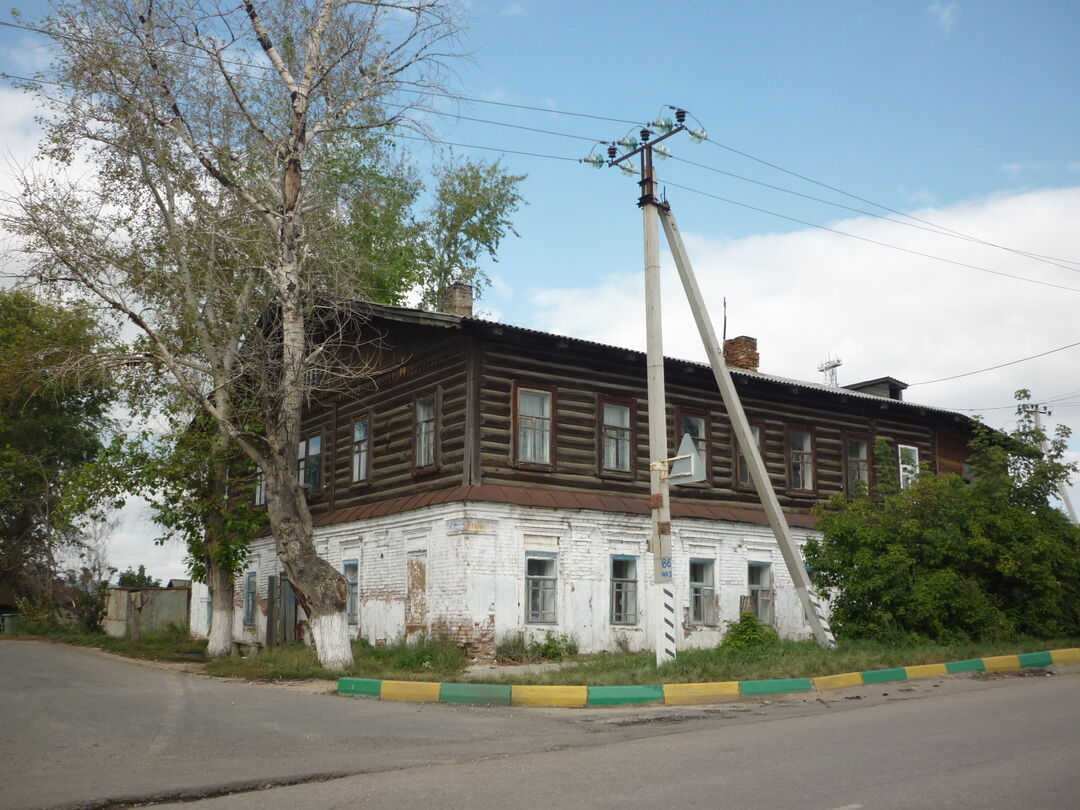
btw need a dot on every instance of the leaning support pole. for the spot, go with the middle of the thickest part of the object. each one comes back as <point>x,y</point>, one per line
<point>790,551</point>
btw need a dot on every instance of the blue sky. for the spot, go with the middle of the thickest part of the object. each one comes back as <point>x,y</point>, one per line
<point>965,114</point>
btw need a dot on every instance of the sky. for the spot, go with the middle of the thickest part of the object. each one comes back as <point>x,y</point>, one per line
<point>963,115</point>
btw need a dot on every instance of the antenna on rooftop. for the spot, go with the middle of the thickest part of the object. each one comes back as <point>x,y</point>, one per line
<point>828,367</point>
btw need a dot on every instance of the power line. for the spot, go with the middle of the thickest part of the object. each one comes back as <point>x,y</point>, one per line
<point>991,368</point>
<point>881,206</point>
<point>872,241</point>
<point>485,148</point>
<point>935,229</point>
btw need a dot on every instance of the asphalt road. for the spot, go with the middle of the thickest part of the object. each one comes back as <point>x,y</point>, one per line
<point>83,729</point>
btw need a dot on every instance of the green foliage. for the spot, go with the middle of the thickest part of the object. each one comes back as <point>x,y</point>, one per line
<point>89,586</point>
<point>53,407</point>
<point>514,647</point>
<point>137,579</point>
<point>950,561</point>
<point>748,633</point>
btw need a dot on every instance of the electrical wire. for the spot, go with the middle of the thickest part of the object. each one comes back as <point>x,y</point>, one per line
<point>935,229</point>
<point>992,368</point>
<point>871,241</point>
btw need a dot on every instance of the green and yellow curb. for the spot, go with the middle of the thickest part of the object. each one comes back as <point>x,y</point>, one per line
<point>680,694</point>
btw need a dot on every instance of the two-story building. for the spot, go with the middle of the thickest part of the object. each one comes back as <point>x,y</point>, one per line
<point>491,479</point>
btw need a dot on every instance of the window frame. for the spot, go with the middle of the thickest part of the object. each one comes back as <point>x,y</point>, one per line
<point>366,480</point>
<point>515,440</point>
<point>755,591</point>
<point>868,440</point>
<point>704,595</point>
<point>259,488</point>
<point>629,588</point>
<point>792,490</point>
<point>680,412</point>
<point>739,460</point>
<point>303,460</point>
<point>914,474</point>
<point>602,401</point>
<point>435,395</point>
<point>352,602</point>
<point>553,557</point>
<point>251,596</point>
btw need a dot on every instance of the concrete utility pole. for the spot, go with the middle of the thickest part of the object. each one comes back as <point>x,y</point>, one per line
<point>660,544</point>
<point>1063,491</point>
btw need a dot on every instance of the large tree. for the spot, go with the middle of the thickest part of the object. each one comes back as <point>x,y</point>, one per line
<point>210,127</point>
<point>950,560</point>
<point>52,414</point>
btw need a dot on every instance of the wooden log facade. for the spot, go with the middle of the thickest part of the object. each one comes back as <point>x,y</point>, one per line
<point>473,370</point>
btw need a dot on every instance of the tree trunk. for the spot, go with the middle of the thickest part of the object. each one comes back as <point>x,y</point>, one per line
<point>221,599</point>
<point>320,588</point>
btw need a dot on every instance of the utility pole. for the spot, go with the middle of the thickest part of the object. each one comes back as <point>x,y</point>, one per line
<point>654,209</point>
<point>1063,490</point>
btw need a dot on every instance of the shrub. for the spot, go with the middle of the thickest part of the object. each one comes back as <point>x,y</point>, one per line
<point>514,647</point>
<point>748,633</point>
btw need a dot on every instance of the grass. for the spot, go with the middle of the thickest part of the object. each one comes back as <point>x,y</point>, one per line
<point>439,659</point>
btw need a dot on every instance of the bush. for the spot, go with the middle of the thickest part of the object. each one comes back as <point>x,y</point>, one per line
<point>950,561</point>
<point>748,633</point>
<point>514,647</point>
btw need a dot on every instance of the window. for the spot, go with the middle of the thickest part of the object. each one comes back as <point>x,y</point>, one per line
<point>702,593</point>
<point>742,469</point>
<point>801,461</point>
<point>759,576</point>
<point>857,461</point>
<point>351,570</point>
<point>539,587</point>
<point>697,425</point>
<point>426,417</point>
<point>909,464</point>
<point>260,488</point>
<point>533,426</point>
<point>249,599</point>
<point>360,454</point>
<point>616,437</point>
<point>309,463</point>
<point>624,590</point>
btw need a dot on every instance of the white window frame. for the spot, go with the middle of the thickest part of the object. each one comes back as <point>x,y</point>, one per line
<point>260,488</point>
<point>616,441</point>
<point>803,460</point>
<point>426,430</point>
<point>908,472</point>
<point>703,610</point>
<point>532,440</point>
<point>361,450</point>
<point>543,585</point>
<point>857,465</point>
<point>742,467</point>
<point>624,591</point>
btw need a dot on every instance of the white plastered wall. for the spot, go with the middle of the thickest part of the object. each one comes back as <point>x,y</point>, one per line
<point>475,565</point>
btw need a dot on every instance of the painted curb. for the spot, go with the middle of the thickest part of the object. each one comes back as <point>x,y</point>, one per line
<point>681,694</point>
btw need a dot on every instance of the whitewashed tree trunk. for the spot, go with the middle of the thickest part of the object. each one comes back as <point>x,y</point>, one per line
<point>330,633</point>
<point>221,619</point>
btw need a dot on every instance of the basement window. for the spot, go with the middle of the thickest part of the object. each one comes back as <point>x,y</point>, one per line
<point>624,590</point>
<point>539,587</point>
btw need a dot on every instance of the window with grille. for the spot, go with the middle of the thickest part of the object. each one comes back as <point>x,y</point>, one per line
<point>624,590</point>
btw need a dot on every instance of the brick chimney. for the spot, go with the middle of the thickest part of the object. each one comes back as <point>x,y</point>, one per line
<point>741,352</point>
<point>458,299</point>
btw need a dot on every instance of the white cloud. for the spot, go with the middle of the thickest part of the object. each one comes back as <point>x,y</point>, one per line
<point>1018,169</point>
<point>808,293</point>
<point>946,14</point>
<point>512,10</point>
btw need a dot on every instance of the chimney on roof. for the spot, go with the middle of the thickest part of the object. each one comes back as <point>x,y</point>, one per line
<point>458,299</point>
<point>741,352</point>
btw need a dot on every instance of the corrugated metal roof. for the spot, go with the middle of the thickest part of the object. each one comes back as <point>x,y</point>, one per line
<point>418,316</point>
